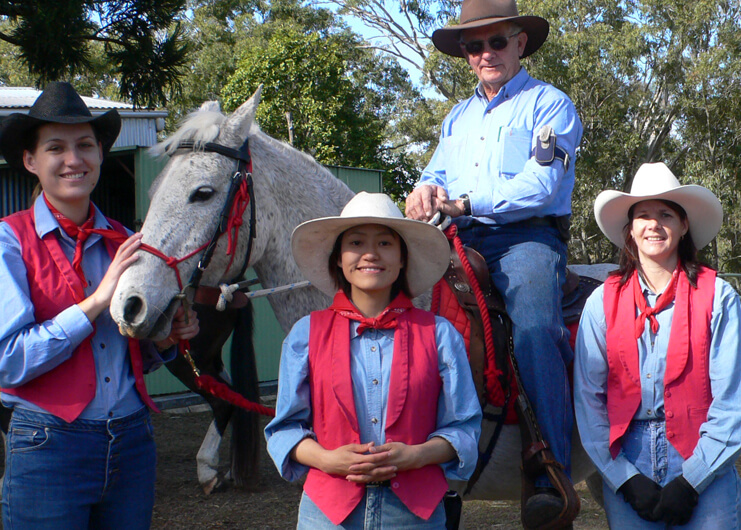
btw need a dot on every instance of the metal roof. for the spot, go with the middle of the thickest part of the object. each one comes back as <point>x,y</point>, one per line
<point>20,99</point>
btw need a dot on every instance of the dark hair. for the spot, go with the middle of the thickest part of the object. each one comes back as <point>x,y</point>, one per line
<point>338,277</point>
<point>629,261</point>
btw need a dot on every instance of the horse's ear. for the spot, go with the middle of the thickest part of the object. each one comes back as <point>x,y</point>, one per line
<point>210,106</point>
<point>240,121</point>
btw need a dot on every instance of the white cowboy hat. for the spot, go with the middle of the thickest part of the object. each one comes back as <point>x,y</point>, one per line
<point>656,181</point>
<point>428,250</point>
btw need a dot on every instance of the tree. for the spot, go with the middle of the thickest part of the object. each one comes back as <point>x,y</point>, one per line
<point>325,92</point>
<point>138,42</point>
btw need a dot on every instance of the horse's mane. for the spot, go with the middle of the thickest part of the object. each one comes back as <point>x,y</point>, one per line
<point>201,126</point>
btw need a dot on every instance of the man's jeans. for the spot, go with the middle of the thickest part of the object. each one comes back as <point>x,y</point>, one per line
<point>379,509</point>
<point>84,474</point>
<point>646,446</point>
<point>528,266</point>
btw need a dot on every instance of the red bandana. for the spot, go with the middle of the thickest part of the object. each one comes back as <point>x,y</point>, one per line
<point>648,312</point>
<point>386,320</point>
<point>80,233</point>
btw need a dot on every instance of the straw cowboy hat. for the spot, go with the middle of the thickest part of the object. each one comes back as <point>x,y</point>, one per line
<point>428,250</point>
<point>477,13</point>
<point>58,103</point>
<point>656,181</point>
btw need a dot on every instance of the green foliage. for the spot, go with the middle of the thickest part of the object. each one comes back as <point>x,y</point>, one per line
<point>140,41</point>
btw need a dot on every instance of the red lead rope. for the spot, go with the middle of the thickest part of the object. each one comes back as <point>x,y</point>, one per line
<point>493,372</point>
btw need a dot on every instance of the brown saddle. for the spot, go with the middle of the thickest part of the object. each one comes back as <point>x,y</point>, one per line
<point>537,457</point>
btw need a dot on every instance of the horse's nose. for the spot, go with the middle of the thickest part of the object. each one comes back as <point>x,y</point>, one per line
<point>132,308</point>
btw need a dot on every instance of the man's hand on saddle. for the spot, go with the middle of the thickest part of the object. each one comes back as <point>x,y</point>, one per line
<point>426,200</point>
<point>184,327</point>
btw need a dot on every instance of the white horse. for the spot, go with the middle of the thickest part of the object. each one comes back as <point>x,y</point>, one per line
<point>289,188</point>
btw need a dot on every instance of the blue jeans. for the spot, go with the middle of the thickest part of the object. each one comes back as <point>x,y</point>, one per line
<point>379,509</point>
<point>646,446</point>
<point>84,474</point>
<point>528,266</point>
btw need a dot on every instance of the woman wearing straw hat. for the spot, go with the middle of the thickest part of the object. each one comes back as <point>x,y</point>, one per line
<point>80,451</point>
<point>658,366</point>
<point>375,397</point>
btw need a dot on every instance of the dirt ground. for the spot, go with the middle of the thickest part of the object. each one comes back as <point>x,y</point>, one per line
<point>273,502</point>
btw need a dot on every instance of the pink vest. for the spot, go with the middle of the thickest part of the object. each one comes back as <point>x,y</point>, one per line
<point>687,393</point>
<point>54,286</point>
<point>411,416</point>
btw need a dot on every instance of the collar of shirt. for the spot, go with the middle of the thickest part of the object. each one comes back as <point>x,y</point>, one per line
<point>45,221</point>
<point>510,88</point>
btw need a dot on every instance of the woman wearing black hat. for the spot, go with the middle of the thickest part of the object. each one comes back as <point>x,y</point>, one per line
<point>80,451</point>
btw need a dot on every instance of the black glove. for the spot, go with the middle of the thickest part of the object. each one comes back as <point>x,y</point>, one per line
<point>678,500</point>
<point>643,495</point>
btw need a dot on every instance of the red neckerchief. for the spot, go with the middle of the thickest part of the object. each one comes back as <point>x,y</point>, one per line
<point>386,320</point>
<point>649,312</point>
<point>79,233</point>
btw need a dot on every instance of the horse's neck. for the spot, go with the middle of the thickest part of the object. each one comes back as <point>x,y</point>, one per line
<point>297,189</point>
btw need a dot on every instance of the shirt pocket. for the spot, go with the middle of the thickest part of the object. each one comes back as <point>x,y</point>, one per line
<point>515,145</point>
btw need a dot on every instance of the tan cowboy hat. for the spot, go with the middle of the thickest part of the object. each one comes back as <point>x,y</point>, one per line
<point>656,181</point>
<point>477,13</point>
<point>58,103</point>
<point>428,250</point>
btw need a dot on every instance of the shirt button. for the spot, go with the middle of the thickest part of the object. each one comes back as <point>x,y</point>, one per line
<point>375,381</point>
<point>482,137</point>
<point>476,164</point>
<point>395,485</point>
<point>110,414</point>
<point>373,348</point>
<point>648,376</point>
<point>649,412</point>
<point>374,420</point>
<point>669,414</point>
<point>668,393</point>
<point>107,379</point>
<point>669,434</point>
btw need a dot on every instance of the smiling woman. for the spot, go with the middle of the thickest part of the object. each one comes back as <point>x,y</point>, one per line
<point>657,376</point>
<point>74,383</point>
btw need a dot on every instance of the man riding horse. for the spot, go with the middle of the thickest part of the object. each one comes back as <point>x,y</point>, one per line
<point>504,170</point>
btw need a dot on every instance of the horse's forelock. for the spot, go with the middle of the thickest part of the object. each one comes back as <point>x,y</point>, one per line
<point>200,127</point>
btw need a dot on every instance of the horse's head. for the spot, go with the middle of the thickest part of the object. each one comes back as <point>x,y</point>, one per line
<point>186,202</point>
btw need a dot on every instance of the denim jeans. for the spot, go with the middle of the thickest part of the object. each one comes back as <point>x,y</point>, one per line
<point>84,474</point>
<point>528,266</point>
<point>646,446</point>
<point>379,509</point>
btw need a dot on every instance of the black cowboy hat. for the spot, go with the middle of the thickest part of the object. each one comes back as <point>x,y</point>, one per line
<point>58,103</point>
<point>478,13</point>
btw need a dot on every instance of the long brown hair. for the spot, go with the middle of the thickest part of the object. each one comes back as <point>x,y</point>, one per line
<point>338,277</point>
<point>687,251</point>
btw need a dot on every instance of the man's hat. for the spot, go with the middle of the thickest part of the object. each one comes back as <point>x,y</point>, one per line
<point>478,13</point>
<point>657,182</point>
<point>428,251</point>
<point>58,103</point>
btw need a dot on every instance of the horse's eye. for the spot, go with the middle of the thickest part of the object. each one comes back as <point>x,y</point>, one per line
<point>202,194</point>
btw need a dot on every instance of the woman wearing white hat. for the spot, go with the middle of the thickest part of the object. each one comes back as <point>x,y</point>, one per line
<point>375,397</point>
<point>658,362</point>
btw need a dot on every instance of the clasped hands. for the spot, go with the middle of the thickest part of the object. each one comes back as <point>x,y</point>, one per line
<point>426,200</point>
<point>672,504</point>
<point>367,462</point>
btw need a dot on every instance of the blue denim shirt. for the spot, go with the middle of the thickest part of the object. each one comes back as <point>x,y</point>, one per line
<point>28,349</point>
<point>458,411</point>
<point>720,436</point>
<point>485,147</point>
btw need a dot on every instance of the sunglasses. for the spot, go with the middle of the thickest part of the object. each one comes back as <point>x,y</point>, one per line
<point>496,43</point>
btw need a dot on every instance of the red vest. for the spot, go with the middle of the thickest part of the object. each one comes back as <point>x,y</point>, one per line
<point>54,286</point>
<point>411,417</point>
<point>687,393</point>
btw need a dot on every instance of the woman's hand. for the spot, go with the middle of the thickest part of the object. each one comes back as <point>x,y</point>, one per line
<point>356,462</point>
<point>97,302</point>
<point>182,328</point>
